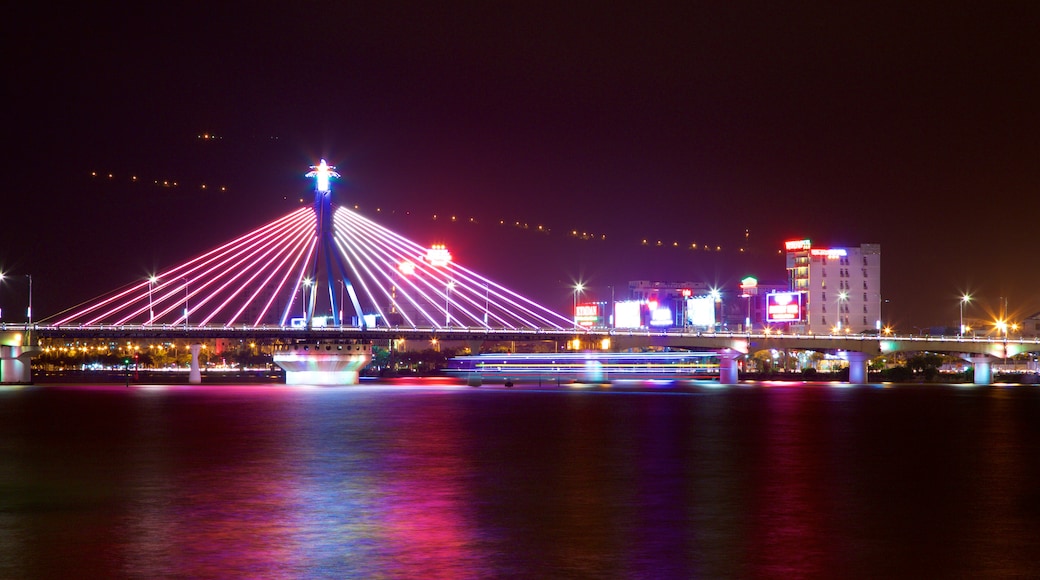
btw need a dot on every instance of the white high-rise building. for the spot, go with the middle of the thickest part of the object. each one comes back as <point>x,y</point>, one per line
<point>841,287</point>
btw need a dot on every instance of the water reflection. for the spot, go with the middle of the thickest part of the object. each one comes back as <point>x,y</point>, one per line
<point>416,480</point>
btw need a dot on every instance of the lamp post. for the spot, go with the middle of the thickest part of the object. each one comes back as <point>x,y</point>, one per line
<point>28,309</point>
<point>447,303</point>
<point>574,312</point>
<point>749,285</point>
<point>716,295</point>
<point>185,303</point>
<point>151,313</point>
<point>341,285</point>
<point>966,298</point>
<point>306,285</point>
<point>842,296</point>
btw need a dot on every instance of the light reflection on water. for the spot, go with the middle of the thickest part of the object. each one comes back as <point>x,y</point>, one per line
<point>435,480</point>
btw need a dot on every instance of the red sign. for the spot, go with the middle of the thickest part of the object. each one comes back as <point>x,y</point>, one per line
<point>783,306</point>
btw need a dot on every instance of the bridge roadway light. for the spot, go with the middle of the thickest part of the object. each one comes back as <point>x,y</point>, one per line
<point>842,296</point>
<point>185,303</point>
<point>28,310</point>
<point>966,298</point>
<point>447,302</point>
<point>151,313</point>
<point>716,295</point>
<point>579,287</point>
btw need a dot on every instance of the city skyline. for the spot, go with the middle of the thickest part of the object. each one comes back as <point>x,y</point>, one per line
<point>906,128</point>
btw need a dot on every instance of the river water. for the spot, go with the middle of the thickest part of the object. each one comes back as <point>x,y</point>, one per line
<point>424,479</point>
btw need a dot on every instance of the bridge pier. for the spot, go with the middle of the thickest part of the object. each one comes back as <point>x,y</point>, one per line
<point>728,367</point>
<point>194,372</point>
<point>323,363</point>
<point>857,367</point>
<point>982,365</point>
<point>16,364</point>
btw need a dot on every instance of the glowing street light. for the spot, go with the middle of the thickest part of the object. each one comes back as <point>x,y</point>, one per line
<point>185,303</point>
<point>716,295</point>
<point>447,302</point>
<point>1002,327</point>
<point>578,288</point>
<point>842,297</point>
<point>28,310</point>
<point>151,313</point>
<point>306,286</point>
<point>966,298</point>
<point>749,285</point>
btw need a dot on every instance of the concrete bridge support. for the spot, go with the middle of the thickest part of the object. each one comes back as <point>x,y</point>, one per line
<point>194,372</point>
<point>728,367</point>
<point>323,363</point>
<point>857,367</point>
<point>983,368</point>
<point>16,364</point>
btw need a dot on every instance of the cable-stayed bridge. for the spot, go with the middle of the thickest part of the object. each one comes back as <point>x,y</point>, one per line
<point>267,278</point>
<point>325,282</point>
<point>321,274</point>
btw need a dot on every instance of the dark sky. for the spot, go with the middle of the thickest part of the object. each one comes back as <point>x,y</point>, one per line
<point>913,125</point>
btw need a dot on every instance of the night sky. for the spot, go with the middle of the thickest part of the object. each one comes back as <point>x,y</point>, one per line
<point>736,125</point>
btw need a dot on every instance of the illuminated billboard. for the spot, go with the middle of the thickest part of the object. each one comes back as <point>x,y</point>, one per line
<point>829,252</point>
<point>784,307</point>
<point>587,314</point>
<point>628,314</point>
<point>700,311</point>
<point>661,316</point>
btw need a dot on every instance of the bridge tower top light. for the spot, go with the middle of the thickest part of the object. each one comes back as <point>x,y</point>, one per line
<point>321,174</point>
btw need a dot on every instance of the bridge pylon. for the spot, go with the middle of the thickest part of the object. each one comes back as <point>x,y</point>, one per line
<point>325,258</point>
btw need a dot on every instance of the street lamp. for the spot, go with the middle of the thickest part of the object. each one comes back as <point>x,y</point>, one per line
<point>28,310</point>
<point>306,285</point>
<point>716,295</point>
<point>842,296</point>
<point>750,287</point>
<point>341,285</point>
<point>151,313</point>
<point>185,303</point>
<point>966,298</point>
<point>487,304</point>
<point>579,287</point>
<point>447,303</point>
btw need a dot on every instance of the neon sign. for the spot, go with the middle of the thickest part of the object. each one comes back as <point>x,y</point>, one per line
<point>587,314</point>
<point>830,253</point>
<point>783,306</point>
<point>798,245</point>
<point>438,255</point>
